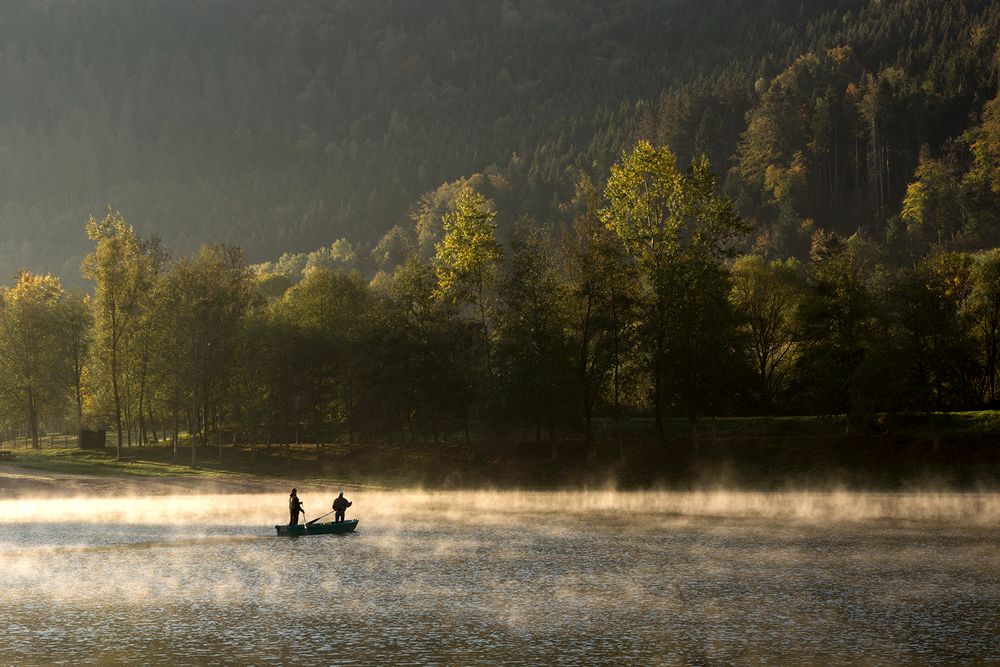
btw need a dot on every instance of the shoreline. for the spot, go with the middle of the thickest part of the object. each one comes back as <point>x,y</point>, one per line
<point>955,462</point>
<point>23,482</point>
<point>18,482</point>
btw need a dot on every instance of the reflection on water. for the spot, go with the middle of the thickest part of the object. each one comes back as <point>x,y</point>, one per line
<point>477,578</point>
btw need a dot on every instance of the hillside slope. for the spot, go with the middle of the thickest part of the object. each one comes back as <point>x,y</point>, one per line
<point>282,126</point>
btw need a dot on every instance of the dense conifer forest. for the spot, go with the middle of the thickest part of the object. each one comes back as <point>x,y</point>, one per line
<point>435,220</point>
<point>284,127</point>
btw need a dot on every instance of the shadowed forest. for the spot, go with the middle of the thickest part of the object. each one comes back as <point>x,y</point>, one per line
<point>523,223</point>
<point>285,128</point>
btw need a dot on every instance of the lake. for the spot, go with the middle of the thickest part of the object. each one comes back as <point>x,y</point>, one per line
<point>522,578</point>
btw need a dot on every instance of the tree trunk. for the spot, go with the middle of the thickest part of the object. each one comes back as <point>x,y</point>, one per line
<point>486,332</point>
<point>128,423</point>
<point>152,424</point>
<point>176,435</point>
<point>204,421</point>
<point>585,376</point>
<point>193,431</point>
<point>991,355</point>
<point>659,355</point>
<point>79,403</point>
<point>117,396</point>
<point>141,424</point>
<point>616,379</point>
<point>33,418</point>
<point>658,407</point>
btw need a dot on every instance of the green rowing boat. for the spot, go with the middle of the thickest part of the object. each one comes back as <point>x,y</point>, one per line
<point>331,528</point>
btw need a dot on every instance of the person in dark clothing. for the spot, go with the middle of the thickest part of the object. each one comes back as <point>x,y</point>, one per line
<point>340,506</point>
<point>294,507</point>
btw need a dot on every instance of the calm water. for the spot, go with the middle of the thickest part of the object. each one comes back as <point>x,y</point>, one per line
<point>480,578</point>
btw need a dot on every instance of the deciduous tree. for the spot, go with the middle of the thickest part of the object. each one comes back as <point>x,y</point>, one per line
<point>467,256</point>
<point>33,359</point>
<point>122,274</point>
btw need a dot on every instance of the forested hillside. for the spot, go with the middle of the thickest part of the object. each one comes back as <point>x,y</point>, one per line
<point>284,127</point>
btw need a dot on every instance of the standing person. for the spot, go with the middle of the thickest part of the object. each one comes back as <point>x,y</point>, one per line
<point>294,507</point>
<point>340,506</point>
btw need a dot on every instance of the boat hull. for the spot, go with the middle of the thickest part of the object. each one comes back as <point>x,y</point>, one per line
<point>331,528</point>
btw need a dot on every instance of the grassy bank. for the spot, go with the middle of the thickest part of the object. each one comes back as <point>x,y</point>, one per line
<point>954,450</point>
<point>103,463</point>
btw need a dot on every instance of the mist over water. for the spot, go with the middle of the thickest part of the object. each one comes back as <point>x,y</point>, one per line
<point>480,577</point>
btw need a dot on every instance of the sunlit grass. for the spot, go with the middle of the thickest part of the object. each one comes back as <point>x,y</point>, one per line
<point>97,463</point>
<point>300,464</point>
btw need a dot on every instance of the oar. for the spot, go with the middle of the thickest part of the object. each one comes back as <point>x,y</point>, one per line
<point>319,517</point>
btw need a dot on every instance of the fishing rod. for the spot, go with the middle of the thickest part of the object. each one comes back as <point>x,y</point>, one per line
<point>320,517</point>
